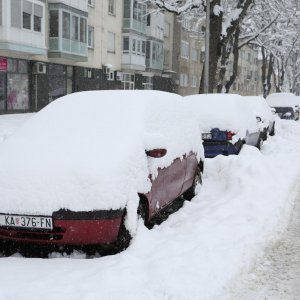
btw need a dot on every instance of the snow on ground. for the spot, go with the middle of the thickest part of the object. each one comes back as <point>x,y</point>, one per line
<point>9,123</point>
<point>276,275</point>
<point>199,252</point>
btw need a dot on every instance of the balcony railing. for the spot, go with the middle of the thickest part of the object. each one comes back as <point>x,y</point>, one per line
<point>135,25</point>
<point>68,46</point>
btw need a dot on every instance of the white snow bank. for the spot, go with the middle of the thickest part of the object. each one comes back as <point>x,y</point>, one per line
<point>245,202</point>
<point>9,123</point>
<point>282,100</point>
<point>86,151</point>
<point>223,111</point>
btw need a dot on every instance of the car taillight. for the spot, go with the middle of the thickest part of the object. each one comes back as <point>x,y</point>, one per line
<point>229,135</point>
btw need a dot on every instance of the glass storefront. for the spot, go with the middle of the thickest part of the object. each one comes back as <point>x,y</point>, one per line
<point>2,91</point>
<point>56,81</point>
<point>17,85</point>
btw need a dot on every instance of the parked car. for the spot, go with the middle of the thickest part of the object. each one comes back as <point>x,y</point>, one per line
<point>77,172</point>
<point>285,104</point>
<point>227,122</point>
<point>264,115</point>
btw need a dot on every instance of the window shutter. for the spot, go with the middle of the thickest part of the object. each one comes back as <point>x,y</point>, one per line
<point>27,7</point>
<point>38,10</point>
<point>16,13</point>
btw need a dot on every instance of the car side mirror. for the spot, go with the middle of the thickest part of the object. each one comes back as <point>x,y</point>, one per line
<point>273,110</point>
<point>156,153</point>
<point>258,119</point>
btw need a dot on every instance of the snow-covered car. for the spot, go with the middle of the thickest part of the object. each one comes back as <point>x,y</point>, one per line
<point>226,121</point>
<point>78,171</point>
<point>264,114</point>
<point>285,104</point>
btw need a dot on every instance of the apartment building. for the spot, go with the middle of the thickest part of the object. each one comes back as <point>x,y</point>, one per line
<point>187,58</point>
<point>50,48</point>
<point>248,81</point>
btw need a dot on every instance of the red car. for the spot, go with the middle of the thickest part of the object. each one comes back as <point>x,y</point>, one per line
<point>90,161</point>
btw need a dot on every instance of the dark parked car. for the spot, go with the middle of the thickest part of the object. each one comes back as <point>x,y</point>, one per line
<point>286,105</point>
<point>79,171</point>
<point>227,122</point>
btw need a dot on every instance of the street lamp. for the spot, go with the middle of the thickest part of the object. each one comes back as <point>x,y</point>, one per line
<point>207,34</point>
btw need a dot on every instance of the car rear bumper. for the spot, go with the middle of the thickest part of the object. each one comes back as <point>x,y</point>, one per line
<point>71,228</point>
<point>214,148</point>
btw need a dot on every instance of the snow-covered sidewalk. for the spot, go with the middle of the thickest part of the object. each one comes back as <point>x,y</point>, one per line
<point>244,205</point>
<point>277,275</point>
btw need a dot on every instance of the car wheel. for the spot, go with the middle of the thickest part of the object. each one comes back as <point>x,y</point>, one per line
<point>124,237</point>
<point>259,143</point>
<point>272,132</point>
<point>191,192</point>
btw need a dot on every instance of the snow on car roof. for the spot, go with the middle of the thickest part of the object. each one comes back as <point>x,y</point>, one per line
<point>260,107</point>
<point>282,100</point>
<point>86,150</point>
<point>223,111</point>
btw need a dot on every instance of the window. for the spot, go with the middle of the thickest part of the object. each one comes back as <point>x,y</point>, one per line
<point>125,44</point>
<point>127,9</point>
<point>83,30</point>
<point>53,23</point>
<point>184,80</point>
<point>27,13</point>
<point>111,7</point>
<point>75,28</point>
<point>110,42</point>
<point>90,37</point>
<point>140,11</point>
<point>166,56</point>
<point>66,25</point>
<point>88,73</point>
<point>26,20</point>
<point>194,81</point>
<point>91,3</point>
<point>166,29</point>
<point>195,54</point>
<point>128,81</point>
<point>0,12</point>
<point>185,49</point>
<point>37,20</point>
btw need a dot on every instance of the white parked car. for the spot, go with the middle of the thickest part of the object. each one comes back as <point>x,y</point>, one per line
<point>285,104</point>
<point>227,122</point>
<point>264,114</point>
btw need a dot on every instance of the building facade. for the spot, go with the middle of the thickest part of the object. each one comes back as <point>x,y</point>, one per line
<point>50,48</point>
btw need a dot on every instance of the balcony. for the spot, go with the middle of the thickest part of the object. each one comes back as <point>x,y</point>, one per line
<point>131,24</point>
<point>68,34</point>
<point>68,46</point>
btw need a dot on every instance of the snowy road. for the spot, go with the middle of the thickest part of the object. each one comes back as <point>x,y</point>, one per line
<point>277,275</point>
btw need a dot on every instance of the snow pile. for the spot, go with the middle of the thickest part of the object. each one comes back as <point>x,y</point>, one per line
<point>223,111</point>
<point>282,100</point>
<point>244,203</point>
<point>86,151</point>
<point>9,123</point>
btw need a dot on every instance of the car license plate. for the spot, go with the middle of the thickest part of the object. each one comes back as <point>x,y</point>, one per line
<point>30,222</point>
<point>206,136</point>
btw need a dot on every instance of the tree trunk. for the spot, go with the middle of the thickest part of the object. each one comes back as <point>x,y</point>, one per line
<point>236,52</point>
<point>214,48</point>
